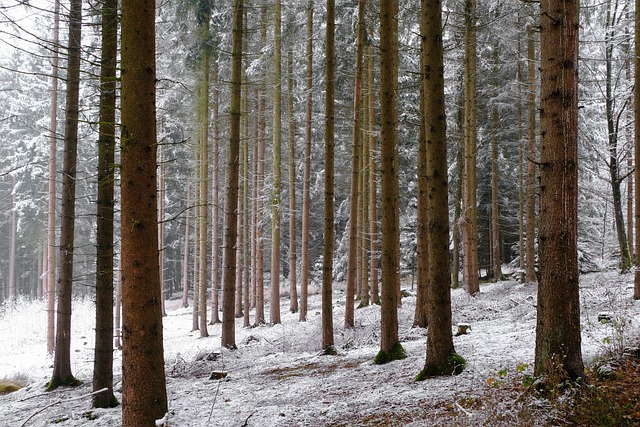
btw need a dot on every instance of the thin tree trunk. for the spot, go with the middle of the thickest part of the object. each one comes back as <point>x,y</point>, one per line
<point>329,144</point>
<point>470,213</point>
<point>228,338</point>
<point>373,197</point>
<point>364,202</point>
<point>103,359</point>
<point>185,257</point>
<point>117,342</point>
<point>161,204</point>
<point>12,240</point>
<point>143,387</point>
<point>352,266</point>
<point>215,214</point>
<point>521,145</point>
<point>293,292</point>
<point>390,347</point>
<point>495,222</point>
<point>259,316</point>
<point>558,319</point>
<point>306,190</point>
<point>62,357</point>
<point>530,274</point>
<point>636,114</point>
<point>51,214</point>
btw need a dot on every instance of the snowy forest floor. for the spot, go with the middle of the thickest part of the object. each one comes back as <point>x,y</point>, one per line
<point>277,376</point>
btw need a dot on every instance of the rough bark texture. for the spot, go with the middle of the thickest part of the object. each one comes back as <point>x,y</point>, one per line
<point>62,356</point>
<point>352,267</point>
<point>390,348</point>
<point>103,360</point>
<point>496,264</point>
<point>293,263</point>
<point>470,212</point>
<point>441,358</point>
<point>420,318</point>
<point>228,338</point>
<point>373,197</point>
<point>215,214</point>
<point>636,97</point>
<point>274,310</point>
<point>558,315</point>
<point>51,203</point>
<point>306,180</point>
<point>185,255</point>
<point>329,147</point>
<point>530,275</point>
<point>144,393</point>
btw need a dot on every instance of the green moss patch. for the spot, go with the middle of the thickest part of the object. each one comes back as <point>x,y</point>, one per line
<point>7,387</point>
<point>394,353</point>
<point>454,365</point>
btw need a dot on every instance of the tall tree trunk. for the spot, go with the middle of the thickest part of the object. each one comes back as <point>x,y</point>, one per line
<point>373,197</point>
<point>306,180</point>
<point>161,204</point>
<point>495,222</point>
<point>259,315</point>
<point>293,292</point>
<point>329,148</point>
<point>51,214</point>
<point>470,212</point>
<point>558,318</point>
<point>612,132</point>
<point>185,256</point>
<point>636,114</point>
<point>215,214</point>
<point>277,164</point>
<point>363,245</point>
<point>457,212</point>
<point>390,347</point>
<point>62,356</point>
<point>420,318</point>
<point>203,179</point>
<point>530,274</point>
<point>521,145</point>
<point>228,338</point>
<point>117,325</point>
<point>12,241</point>
<point>144,393</point>
<point>103,359</point>
<point>441,358</point>
<point>245,196</point>
<point>352,268</point>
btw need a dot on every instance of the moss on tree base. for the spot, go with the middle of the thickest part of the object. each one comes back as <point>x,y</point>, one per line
<point>395,353</point>
<point>454,365</point>
<point>329,351</point>
<point>56,382</point>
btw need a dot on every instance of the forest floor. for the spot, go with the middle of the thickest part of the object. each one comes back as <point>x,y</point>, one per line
<point>277,376</point>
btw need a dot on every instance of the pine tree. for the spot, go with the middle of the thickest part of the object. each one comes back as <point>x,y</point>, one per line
<point>558,315</point>
<point>144,396</point>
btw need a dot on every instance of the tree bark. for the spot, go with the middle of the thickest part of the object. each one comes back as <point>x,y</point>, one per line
<point>329,144</point>
<point>530,274</point>
<point>215,214</point>
<point>373,197</point>
<point>103,359</point>
<point>144,393</point>
<point>390,347</point>
<point>558,314</point>
<point>62,357</point>
<point>352,268</point>
<point>636,113</point>
<point>470,212</point>
<point>306,189</point>
<point>441,358</point>
<point>228,338</point>
<point>293,292</point>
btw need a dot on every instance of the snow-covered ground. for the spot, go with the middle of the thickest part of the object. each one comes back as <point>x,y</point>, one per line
<point>278,378</point>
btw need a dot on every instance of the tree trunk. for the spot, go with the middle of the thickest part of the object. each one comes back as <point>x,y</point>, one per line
<point>306,189</point>
<point>215,214</point>
<point>51,214</point>
<point>185,257</point>
<point>636,114</point>
<point>62,356</point>
<point>530,274</point>
<point>390,347</point>
<point>144,393</point>
<point>259,316</point>
<point>558,315</point>
<point>12,241</point>
<point>352,268</point>
<point>228,338</point>
<point>103,359</point>
<point>470,212</point>
<point>329,144</point>
<point>373,197</point>
<point>441,358</point>
<point>521,146</point>
<point>363,245</point>
<point>161,205</point>
<point>420,318</point>
<point>495,222</point>
<point>293,292</point>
